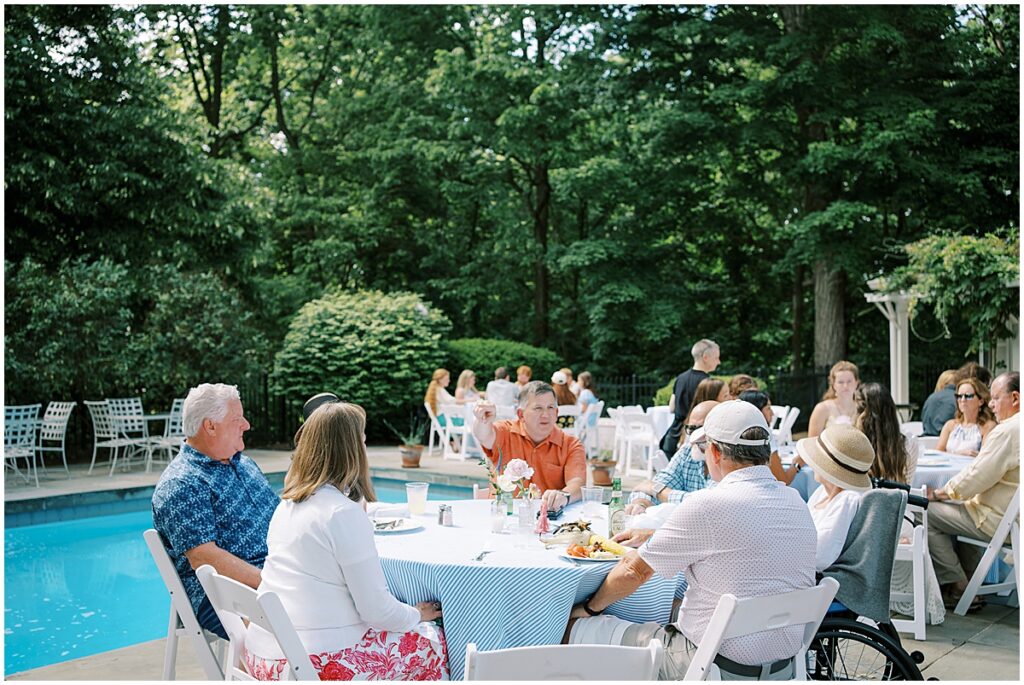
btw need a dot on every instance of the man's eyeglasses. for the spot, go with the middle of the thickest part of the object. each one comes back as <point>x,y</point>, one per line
<point>689,428</point>
<point>966,396</point>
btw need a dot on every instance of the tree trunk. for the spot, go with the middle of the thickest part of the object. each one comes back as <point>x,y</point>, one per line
<point>541,226</point>
<point>829,314</point>
<point>797,342</point>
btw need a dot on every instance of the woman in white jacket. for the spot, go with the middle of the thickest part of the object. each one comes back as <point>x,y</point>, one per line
<point>323,564</point>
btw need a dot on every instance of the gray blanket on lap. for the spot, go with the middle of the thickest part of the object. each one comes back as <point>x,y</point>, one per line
<point>864,568</point>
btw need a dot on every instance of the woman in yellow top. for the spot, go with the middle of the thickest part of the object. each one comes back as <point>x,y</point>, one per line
<point>838,406</point>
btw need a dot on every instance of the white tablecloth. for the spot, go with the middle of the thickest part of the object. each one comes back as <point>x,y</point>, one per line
<point>513,597</point>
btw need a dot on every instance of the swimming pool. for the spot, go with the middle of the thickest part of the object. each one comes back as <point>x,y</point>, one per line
<point>85,586</point>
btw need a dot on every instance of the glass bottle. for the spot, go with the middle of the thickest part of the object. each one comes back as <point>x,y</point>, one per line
<point>616,510</point>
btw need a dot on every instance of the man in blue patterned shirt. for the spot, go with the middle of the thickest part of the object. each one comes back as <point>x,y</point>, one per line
<point>212,504</point>
<point>682,475</point>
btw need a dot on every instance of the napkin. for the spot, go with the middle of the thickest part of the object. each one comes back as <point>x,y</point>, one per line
<point>384,509</point>
<point>653,517</point>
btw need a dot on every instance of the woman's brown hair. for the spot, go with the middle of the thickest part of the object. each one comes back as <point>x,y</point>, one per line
<point>839,366</point>
<point>332,452</point>
<point>981,390</point>
<point>707,389</point>
<point>741,382</point>
<point>878,419</point>
<point>563,395</point>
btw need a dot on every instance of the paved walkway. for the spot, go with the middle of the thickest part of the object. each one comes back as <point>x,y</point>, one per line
<point>985,645</point>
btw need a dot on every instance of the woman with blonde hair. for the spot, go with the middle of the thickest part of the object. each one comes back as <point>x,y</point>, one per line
<point>323,564</point>
<point>964,433</point>
<point>437,395</point>
<point>465,389</point>
<point>838,405</point>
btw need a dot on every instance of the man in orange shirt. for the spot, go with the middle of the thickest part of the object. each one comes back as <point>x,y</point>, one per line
<point>559,467</point>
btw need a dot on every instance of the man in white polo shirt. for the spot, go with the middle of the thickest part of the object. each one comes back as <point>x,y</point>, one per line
<point>751,535</point>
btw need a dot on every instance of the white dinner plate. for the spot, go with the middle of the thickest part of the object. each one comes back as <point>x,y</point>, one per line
<point>933,461</point>
<point>567,556</point>
<point>403,527</point>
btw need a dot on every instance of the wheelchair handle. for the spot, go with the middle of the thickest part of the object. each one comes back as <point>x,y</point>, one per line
<point>914,500</point>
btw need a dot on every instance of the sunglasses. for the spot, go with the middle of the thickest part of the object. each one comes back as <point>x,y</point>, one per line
<point>689,428</point>
<point>966,396</point>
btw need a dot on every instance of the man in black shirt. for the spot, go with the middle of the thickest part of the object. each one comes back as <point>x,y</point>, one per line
<point>706,357</point>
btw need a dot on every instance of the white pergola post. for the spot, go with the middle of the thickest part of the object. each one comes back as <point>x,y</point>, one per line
<point>895,307</point>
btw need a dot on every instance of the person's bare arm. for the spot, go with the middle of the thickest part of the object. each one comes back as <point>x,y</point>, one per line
<point>225,563</point>
<point>672,403</point>
<point>947,428</point>
<point>817,421</point>
<point>483,427</point>
<point>629,574</point>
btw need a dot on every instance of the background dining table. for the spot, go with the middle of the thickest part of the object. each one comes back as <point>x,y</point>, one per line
<point>517,594</point>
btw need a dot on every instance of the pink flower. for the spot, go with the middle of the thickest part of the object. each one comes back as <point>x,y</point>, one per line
<point>518,469</point>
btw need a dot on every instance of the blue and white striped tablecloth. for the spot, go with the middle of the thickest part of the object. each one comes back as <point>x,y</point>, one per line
<point>517,596</point>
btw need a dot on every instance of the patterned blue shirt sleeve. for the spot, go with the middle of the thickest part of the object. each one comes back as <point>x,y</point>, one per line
<point>682,475</point>
<point>184,514</point>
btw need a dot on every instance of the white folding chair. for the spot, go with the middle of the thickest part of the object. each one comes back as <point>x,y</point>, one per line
<point>779,412</point>
<point>639,434</point>
<point>481,491</point>
<point>784,433</point>
<point>20,423</point>
<point>573,411</point>
<point>565,662</point>
<point>738,617</point>
<point>183,621</point>
<point>1009,526</point>
<point>928,442</point>
<point>912,429</point>
<point>915,552</point>
<point>619,416</point>
<point>54,428</point>
<point>436,430</point>
<point>451,411</point>
<point>235,604</point>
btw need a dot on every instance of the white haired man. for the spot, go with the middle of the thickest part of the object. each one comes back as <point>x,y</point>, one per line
<point>706,357</point>
<point>213,505</point>
<point>748,536</point>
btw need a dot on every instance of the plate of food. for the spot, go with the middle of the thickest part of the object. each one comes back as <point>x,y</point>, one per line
<point>392,524</point>
<point>570,533</point>
<point>597,549</point>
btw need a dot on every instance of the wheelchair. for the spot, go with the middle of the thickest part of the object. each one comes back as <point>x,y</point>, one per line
<point>850,647</point>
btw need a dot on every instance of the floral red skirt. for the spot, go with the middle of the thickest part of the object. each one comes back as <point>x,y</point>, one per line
<point>378,656</point>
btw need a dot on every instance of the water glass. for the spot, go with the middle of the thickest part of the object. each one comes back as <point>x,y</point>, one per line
<point>416,495</point>
<point>498,514</point>
<point>525,523</point>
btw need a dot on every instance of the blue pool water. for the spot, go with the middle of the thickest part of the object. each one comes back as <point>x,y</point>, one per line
<point>85,586</point>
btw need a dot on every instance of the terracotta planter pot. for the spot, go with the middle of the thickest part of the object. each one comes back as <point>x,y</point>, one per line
<point>601,472</point>
<point>410,455</point>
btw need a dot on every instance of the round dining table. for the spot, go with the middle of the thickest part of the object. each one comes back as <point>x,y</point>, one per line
<point>506,589</point>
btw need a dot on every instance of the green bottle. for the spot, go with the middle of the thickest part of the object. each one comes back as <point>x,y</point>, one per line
<point>616,510</point>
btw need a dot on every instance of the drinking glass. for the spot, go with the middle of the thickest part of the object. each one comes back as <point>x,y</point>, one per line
<point>498,513</point>
<point>525,523</point>
<point>416,495</point>
<point>592,497</point>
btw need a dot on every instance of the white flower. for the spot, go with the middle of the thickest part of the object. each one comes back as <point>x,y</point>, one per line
<point>518,469</point>
<point>506,482</point>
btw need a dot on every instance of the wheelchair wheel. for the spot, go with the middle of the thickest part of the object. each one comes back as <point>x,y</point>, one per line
<point>846,649</point>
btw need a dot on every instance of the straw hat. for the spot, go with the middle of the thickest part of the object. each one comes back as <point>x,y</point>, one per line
<point>842,455</point>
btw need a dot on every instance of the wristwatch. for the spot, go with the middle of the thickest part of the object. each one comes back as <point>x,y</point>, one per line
<point>568,497</point>
<point>586,607</point>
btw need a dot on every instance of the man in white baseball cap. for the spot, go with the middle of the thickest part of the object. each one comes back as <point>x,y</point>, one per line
<point>751,535</point>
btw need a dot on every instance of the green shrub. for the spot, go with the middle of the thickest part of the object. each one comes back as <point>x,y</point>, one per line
<point>375,349</point>
<point>484,355</point>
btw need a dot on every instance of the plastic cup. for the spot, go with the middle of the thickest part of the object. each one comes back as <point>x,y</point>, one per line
<point>592,497</point>
<point>416,495</point>
<point>498,514</point>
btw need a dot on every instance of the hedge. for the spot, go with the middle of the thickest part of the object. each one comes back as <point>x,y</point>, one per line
<point>484,355</point>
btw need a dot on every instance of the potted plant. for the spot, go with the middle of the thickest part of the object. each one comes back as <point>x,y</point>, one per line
<point>411,442</point>
<point>602,467</point>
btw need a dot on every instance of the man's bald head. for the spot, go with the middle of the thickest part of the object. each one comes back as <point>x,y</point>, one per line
<point>700,412</point>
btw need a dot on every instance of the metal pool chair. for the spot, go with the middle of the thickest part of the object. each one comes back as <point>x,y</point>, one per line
<point>104,432</point>
<point>236,603</point>
<point>20,424</point>
<point>173,435</point>
<point>183,621</point>
<point>566,662</point>
<point>54,428</point>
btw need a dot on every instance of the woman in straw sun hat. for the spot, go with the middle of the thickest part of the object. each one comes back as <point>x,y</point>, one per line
<point>841,458</point>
